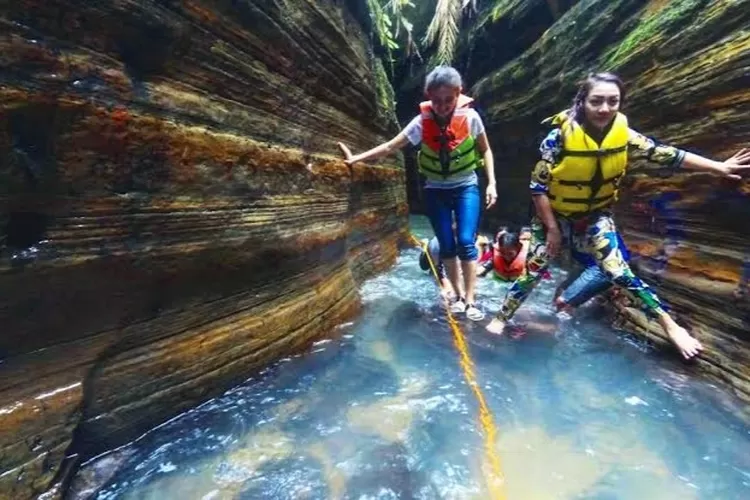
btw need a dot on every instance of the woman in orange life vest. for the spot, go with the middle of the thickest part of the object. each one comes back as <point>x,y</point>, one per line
<point>573,188</point>
<point>453,141</point>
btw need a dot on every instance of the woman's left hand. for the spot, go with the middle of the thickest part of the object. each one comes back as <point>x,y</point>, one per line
<point>737,164</point>
<point>348,157</point>
<point>491,196</point>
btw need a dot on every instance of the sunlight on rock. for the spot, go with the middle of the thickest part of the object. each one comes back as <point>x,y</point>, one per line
<point>200,485</point>
<point>382,351</point>
<point>284,411</point>
<point>334,476</point>
<point>621,447</point>
<point>644,485</point>
<point>540,467</point>
<point>222,477</point>
<point>258,449</point>
<point>390,418</point>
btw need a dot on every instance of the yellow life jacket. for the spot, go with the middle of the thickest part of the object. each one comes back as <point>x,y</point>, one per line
<point>587,176</point>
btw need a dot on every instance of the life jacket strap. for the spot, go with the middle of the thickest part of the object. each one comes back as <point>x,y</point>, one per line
<point>583,201</point>
<point>581,184</point>
<point>450,174</point>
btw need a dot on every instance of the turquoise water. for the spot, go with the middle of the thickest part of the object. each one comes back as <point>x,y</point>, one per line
<point>382,411</point>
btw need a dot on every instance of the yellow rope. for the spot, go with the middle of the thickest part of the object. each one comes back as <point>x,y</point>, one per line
<point>495,479</point>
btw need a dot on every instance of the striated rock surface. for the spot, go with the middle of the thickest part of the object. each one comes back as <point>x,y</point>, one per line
<point>687,67</point>
<point>174,214</point>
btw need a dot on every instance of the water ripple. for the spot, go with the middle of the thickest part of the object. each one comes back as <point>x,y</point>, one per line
<point>582,412</point>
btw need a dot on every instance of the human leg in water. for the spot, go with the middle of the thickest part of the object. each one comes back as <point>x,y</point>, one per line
<point>537,262</point>
<point>589,281</point>
<point>581,286</point>
<point>601,240</point>
<point>439,204</point>
<point>431,247</point>
<point>466,202</point>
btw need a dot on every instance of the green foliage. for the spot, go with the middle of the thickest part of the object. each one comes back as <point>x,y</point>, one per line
<point>652,27</point>
<point>386,95</point>
<point>502,8</point>
<point>445,26</point>
<point>391,24</point>
<point>395,31</point>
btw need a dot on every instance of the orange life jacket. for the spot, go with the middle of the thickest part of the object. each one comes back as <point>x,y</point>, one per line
<point>513,270</point>
<point>455,140</point>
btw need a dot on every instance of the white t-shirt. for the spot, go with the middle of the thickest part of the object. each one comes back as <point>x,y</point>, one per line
<point>413,132</point>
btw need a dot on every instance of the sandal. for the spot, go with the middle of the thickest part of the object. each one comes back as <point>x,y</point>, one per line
<point>458,306</point>
<point>473,313</point>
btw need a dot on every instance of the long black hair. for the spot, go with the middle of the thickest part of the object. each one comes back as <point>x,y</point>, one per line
<point>576,110</point>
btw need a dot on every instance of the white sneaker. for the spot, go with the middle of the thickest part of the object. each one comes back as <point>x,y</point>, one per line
<point>458,306</point>
<point>473,313</point>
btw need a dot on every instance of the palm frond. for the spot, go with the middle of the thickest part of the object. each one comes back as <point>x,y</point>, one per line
<point>443,28</point>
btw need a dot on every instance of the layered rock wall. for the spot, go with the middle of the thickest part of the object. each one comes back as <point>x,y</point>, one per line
<point>173,208</point>
<point>687,68</point>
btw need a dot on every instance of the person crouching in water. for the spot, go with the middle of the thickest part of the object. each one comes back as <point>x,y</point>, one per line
<point>453,141</point>
<point>508,257</point>
<point>574,186</point>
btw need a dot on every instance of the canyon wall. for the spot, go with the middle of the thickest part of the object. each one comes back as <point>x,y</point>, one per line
<point>173,208</point>
<point>686,65</point>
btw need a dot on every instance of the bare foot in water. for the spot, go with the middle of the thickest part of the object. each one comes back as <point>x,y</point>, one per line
<point>496,326</point>
<point>563,306</point>
<point>686,344</point>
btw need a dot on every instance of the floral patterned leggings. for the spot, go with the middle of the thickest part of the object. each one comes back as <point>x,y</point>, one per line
<point>594,235</point>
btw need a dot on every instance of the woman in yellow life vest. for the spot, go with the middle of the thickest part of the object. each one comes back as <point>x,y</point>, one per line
<point>574,186</point>
<point>453,141</point>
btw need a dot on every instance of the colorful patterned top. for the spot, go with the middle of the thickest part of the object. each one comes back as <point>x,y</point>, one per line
<point>639,147</point>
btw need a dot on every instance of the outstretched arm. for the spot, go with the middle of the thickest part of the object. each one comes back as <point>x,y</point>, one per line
<point>732,167</point>
<point>398,142</point>
<point>640,146</point>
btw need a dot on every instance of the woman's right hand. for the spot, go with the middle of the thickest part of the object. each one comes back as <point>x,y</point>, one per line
<point>491,196</point>
<point>554,241</point>
<point>737,164</point>
<point>347,154</point>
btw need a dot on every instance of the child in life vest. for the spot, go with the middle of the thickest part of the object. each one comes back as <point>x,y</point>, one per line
<point>508,257</point>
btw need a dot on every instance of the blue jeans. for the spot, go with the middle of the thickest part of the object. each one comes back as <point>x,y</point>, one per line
<point>464,201</point>
<point>590,282</point>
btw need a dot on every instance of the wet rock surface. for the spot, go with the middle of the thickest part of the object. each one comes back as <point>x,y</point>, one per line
<point>686,67</point>
<point>174,211</point>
